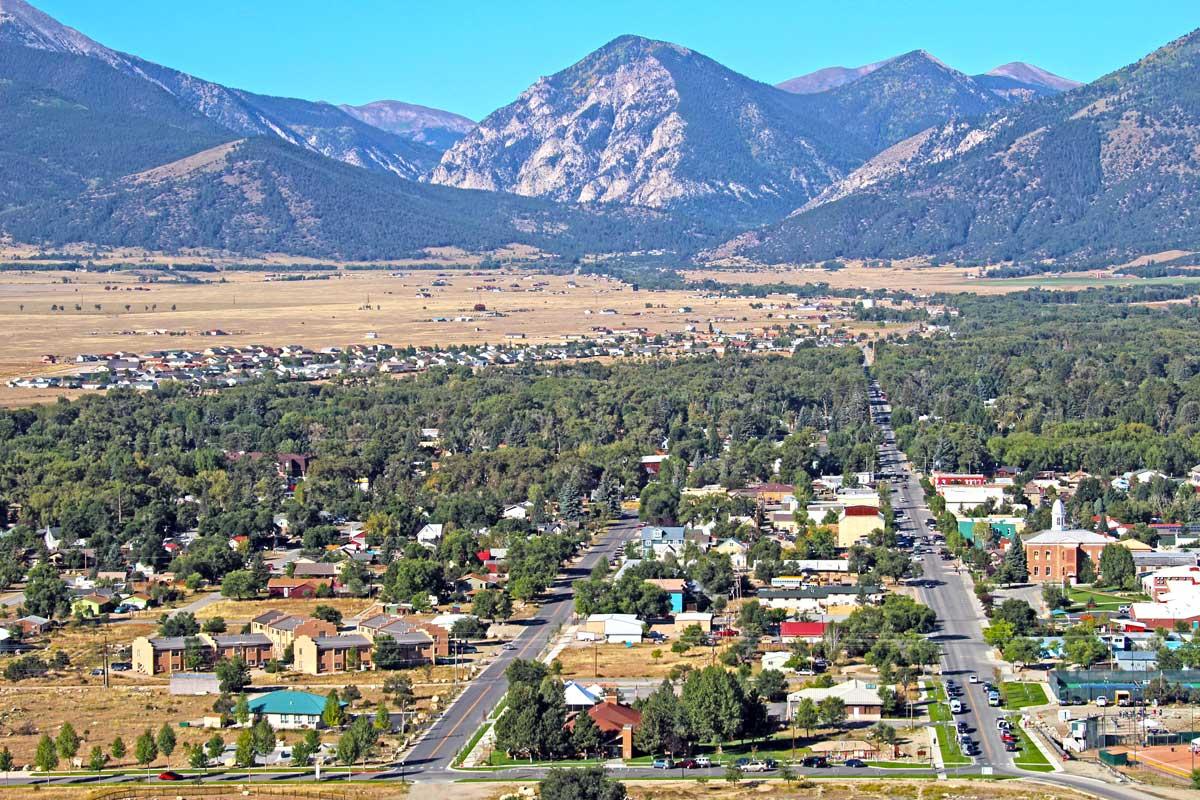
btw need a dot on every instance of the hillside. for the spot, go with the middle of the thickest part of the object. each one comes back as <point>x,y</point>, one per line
<point>1105,171</point>
<point>653,124</point>
<point>320,127</point>
<point>903,96</point>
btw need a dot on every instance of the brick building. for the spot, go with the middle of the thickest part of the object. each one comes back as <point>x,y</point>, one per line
<point>1054,556</point>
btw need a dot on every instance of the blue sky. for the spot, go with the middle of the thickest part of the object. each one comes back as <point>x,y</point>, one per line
<point>472,57</point>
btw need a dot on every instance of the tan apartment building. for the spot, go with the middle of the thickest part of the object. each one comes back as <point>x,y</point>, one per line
<point>283,629</point>
<point>322,655</point>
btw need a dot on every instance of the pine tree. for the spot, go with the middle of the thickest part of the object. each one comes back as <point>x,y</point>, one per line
<point>585,737</point>
<point>1014,568</point>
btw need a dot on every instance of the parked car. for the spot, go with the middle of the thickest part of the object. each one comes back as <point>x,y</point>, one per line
<point>1102,701</point>
<point>854,763</point>
<point>815,762</point>
<point>703,762</point>
<point>956,706</point>
<point>963,727</point>
<point>687,763</point>
<point>758,766</point>
<point>972,679</point>
<point>663,763</point>
<point>1011,747</point>
<point>1003,724</point>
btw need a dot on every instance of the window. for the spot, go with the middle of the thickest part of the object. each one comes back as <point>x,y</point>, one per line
<point>1035,570</point>
<point>1047,555</point>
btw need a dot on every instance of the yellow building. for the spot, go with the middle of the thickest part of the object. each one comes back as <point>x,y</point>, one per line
<point>857,522</point>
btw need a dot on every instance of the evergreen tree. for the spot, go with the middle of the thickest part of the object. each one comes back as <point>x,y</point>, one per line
<point>333,715</point>
<point>1014,568</point>
<point>585,736</point>
<point>1087,570</point>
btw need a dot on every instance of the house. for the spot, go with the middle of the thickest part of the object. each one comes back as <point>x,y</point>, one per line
<point>861,698</point>
<point>652,464</point>
<point>165,654</point>
<point>92,605</point>
<point>777,660</point>
<point>617,723</point>
<point>322,655</point>
<point>518,511</point>
<point>289,709</point>
<point>612,628</point>
<point>33,625</point>
<point>296,587</point>
<point>253,648</point>
<point>658,540</point>
<point>685,619</point>
<point>139,600</point>
<point>960,499</point>
<point>475,582</point>
<point>316,569</point>
<point>282,629</point>
<point>1054,555</point>
<point>810,632</point>
<point>674,587</point>
<point>736,551</point>
<point>430,534</point>
<point>857,522</point>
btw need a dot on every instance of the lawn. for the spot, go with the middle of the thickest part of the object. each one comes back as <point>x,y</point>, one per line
<point>1031,756</point>
<point>948,745</point>
<point>1022,695</point>
<point>938,710</point>
<point>1103,599</point>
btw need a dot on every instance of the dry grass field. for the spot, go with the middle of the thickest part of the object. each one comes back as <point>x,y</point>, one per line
<point>338,311</point>
<point>582,660</point>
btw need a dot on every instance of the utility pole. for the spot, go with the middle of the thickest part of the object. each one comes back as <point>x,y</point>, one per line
<point>105,658</point>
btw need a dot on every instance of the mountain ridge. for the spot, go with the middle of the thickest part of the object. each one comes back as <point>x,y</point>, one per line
<point>431,126</point>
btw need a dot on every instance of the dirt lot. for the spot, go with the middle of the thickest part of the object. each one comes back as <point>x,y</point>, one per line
<point>581,659</point>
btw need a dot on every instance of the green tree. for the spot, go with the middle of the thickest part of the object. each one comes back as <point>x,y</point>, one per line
<point>6,760</point>
<point>383,718</point>
<point>46,756</point>
<point>333,714</point>
<point>144,749</point>
<point>1086,572</point>
<point>214,746</point>
<point>67,741</point>
<point>832,711</point>
<point>1117,567</point>
<point>45,593</point>
<point>771,684</point>
<point>715,704</point>
<point>585,735</point>
<point>233,675</point>
<point>118,748</point>
<point>588,783</point>
<point>166,741</point>
<point>806,715</point>
<point>197,758</point>
<point>1013,568</point>
<point>241,710</point>
<point>998,633</point>
<point>97,759</point>
<point>400,689</point>
<point>1022,651</point>
<point>239,585</point>
<point>664,726</point>
<point>244,754</point>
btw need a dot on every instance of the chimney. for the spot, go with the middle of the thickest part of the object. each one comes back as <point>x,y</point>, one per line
<point>611,697</point>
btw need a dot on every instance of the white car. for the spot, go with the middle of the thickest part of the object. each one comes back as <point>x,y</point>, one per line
<point>1102,701</point>
<point>973,679</point>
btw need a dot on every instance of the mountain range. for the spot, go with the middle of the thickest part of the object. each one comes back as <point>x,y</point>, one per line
<point>1100,173</point>
<point>641,145</point>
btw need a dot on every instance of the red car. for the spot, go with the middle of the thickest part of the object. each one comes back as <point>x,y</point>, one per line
<point>170,775</point>
<point>687,763</point>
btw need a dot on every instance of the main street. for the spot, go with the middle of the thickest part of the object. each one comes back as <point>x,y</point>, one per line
<point>950,593</point>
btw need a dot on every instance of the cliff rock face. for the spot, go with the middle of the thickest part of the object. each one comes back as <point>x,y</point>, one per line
<point>431,126</point>
<point>652,124</point>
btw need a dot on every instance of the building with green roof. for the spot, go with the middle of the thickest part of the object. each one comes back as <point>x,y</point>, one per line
<point>288,709</point>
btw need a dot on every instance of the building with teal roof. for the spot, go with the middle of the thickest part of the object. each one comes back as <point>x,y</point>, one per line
<point>288,709</point>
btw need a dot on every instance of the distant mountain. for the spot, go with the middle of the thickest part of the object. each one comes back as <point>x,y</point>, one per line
<point>1014,82</point>
<point>901,97</point>
<point>828,78</point>
<point>434,127</point>
<point>1032,75</point>
<point>1106,171</point>
<point>319,127</point>
<point>648,123</point>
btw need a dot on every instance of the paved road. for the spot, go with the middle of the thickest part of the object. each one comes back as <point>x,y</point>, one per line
<point>964,653</point>
<point>431,757</point>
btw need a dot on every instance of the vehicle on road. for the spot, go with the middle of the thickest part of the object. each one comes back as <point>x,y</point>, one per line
<point>508,646</point>
<point>169,775</point>
<point>1102,701</point>
<point>963,727</point>
<point>1003,724</point>
<point>687,763</point>
<point>815,762</point>
<point>972,679</point>
<point>956,706</point>
<point>993,698</point>
<point>759,766</point>
<point>854,763</point>
<point>662,763</point>
<point>703,762</point>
